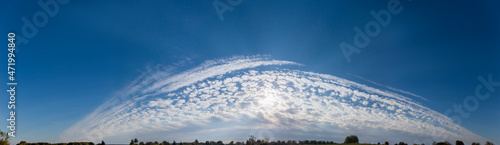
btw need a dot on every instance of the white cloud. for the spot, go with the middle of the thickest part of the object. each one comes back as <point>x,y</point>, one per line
<point>391,88</point>
<point>277,99</point>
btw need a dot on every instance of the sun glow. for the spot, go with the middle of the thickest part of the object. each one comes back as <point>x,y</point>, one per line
<point>270,101</point>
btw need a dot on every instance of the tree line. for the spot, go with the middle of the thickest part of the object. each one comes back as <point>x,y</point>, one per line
<point>352,139</point>
<point>251,141</point>
<point>70,143</point>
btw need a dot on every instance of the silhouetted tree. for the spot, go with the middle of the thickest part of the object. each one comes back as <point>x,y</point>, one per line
<point>4,138</point>
<point>231,143</point>
<point>475,143</point>
<point>141,143</point>
<point>251,140</point>
<point>351,139</point>
<point>489,143</point>
<point>196,142</point>
<point>174,143</point>
<point>136,141</point>
<point>131,142</point>
<point>386,143</point>
<point>443,143</point>
<point>402,143</point>
<point>459,142</point>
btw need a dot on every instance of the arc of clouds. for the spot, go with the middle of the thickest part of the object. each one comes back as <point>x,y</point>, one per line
<point>225,90</point>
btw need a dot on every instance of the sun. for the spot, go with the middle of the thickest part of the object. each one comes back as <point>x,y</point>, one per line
<point>270,100</point>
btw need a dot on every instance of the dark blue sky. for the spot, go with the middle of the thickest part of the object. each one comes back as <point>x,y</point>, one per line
<point>89,50</point>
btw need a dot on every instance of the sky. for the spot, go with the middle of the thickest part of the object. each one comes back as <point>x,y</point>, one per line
<point>223,70</point>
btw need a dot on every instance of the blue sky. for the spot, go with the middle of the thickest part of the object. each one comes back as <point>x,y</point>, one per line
<point>90,51</point>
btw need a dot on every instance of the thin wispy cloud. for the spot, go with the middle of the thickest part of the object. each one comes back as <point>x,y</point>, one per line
<point>235,96</point>
<point>391,88</point>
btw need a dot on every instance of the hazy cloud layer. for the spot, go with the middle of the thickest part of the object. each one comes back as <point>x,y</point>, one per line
<point>234,96</point>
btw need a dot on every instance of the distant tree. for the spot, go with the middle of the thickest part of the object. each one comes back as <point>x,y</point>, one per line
<point>102,142</point>
<point>131,142</point>
<point>136,141</point>
<point>266,139</point>
<point>231,143</point>
<point>378,143</point>
<point>351,139</point>
<point>220,143</point>
<point>207,143</point>
<point>174,143</point>
<point>196,142</point>
<point>489,143</point>
<point>402,143</point>
<point>475,143</point>
<point>141,143</point>
<point>459,142</point>
<point>386,143</point>
<point>180,143</point>
<point>165,143</point>
<point>22,143</point>
<point>251,140</point>
<point>443,143</point>
<point>149,143</point>
<point>156,143</point>
<point>4,138</point>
